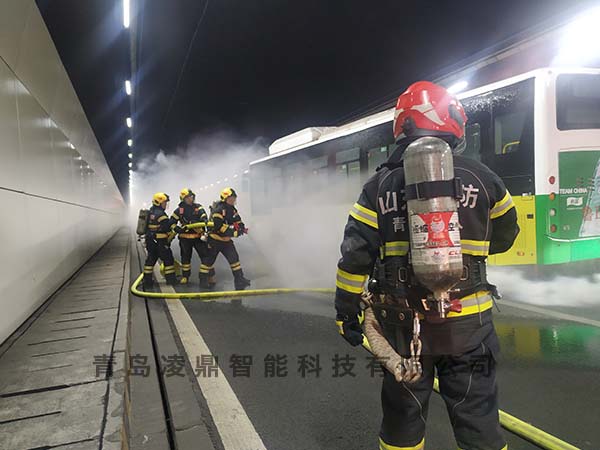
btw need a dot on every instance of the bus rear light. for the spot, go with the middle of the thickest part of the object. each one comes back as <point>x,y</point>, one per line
<point>553,228</point>
<point>552,196</point>
<point>552,212</point>
<point>552,179</point>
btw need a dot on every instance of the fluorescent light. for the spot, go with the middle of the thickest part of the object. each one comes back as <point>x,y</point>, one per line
<point>129,142</point>
<point>130,172</point>
<point>580,43</point>
<point>235,176</point>
<point>130,155</point>
<point>458,87</point>
<point>126,13</point>
<point>246,171</point>
<point>72,146</point>
<point>130,164</point>
<point>129,122</point>
<point>128,87</point>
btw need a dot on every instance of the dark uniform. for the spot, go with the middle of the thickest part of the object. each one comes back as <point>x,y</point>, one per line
<point>190,239</point>
<point>227,224</point>
<point>462,347</point>
<point>157,244</point>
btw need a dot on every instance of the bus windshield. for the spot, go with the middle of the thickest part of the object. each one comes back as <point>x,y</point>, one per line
<point>578,101</point>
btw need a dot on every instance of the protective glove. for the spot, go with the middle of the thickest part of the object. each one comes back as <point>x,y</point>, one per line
<point>350,328</point>
<point>239,229</point>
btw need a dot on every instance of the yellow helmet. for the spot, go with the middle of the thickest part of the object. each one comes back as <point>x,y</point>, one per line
<point>159,198</point>
<point>227,192</point>
<point>186,192</point>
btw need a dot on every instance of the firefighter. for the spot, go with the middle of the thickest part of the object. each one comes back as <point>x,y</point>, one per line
<point>157,241</point>
<point>227,224</point>
<point>462,347</point>
<point>189,213</point>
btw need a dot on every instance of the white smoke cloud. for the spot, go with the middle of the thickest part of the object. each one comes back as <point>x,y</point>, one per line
<point>559,291</point>
<point>296,245</point>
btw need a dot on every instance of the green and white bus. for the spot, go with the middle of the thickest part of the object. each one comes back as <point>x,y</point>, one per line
<point>539,131</point>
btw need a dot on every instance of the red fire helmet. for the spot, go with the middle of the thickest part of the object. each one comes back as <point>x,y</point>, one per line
<point>426,109</point>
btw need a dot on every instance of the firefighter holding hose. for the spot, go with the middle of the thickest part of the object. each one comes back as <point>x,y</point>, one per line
<point>422,229</point>
<point>227,225</point>
<point>189,213</point>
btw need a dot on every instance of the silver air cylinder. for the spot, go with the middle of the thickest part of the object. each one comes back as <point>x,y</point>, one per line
<point>434,228</point>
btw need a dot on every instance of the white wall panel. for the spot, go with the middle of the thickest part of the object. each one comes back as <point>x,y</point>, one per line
<point>10,173</point>
<point>56,212</point>
<point>13,17</point>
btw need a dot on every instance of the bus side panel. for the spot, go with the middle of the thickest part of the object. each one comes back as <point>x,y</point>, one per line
<point>524,249</point>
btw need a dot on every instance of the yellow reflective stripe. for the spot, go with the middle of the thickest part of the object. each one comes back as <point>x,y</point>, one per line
<point>475,248</point>
<point>153,227</point>
<point>350,282</point>
<point>395,248</point>
<point>364,215</point>
<point>175,215</point>
<point>161,218</point>
<point>384,446</point>
<point>220,216</point>
<point>224,228</point>
<point>220,238</point>
<point>162,235</point>
<point>502,207</point>
<point>169,269</point>
<point>474,304</point>
<point>148,269</point>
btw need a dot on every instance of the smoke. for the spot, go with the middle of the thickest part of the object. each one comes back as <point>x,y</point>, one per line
<point>559,290</point>
<point>294,244</point>
<point>207,164</point>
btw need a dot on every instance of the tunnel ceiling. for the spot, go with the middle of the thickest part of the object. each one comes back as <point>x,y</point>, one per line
<point>261,69</point>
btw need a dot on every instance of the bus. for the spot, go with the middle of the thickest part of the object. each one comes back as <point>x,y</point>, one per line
<point>539,131</point>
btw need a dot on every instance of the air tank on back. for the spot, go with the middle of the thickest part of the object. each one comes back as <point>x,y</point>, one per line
<point>434,228</point>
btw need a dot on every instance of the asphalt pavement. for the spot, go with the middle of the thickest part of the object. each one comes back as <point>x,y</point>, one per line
<point>303,387</point>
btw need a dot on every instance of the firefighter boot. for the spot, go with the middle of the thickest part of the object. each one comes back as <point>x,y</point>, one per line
<point>171,279</point>
<point>147,282</point>
<point>239,281</point>
<point>204,283</point>
<point>212,278</point>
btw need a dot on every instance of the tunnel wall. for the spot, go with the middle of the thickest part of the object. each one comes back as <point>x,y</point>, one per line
<point>60,203</point>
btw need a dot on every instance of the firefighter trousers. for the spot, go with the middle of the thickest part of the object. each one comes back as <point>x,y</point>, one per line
<point>159,248</point>
<point>187,246</point>
<point>468,387</point>
<point>227,248</point>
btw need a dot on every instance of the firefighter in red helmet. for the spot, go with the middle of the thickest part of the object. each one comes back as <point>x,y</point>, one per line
<point>462,347</point>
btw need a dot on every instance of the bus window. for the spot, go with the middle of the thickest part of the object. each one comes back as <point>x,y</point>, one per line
<point>508,128</point>
<point>344,156</point>
<point>347,170</point>
<point>473,141</point>
<point>578,101</point>
<point>376,157</point>
<point>512,152</point>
